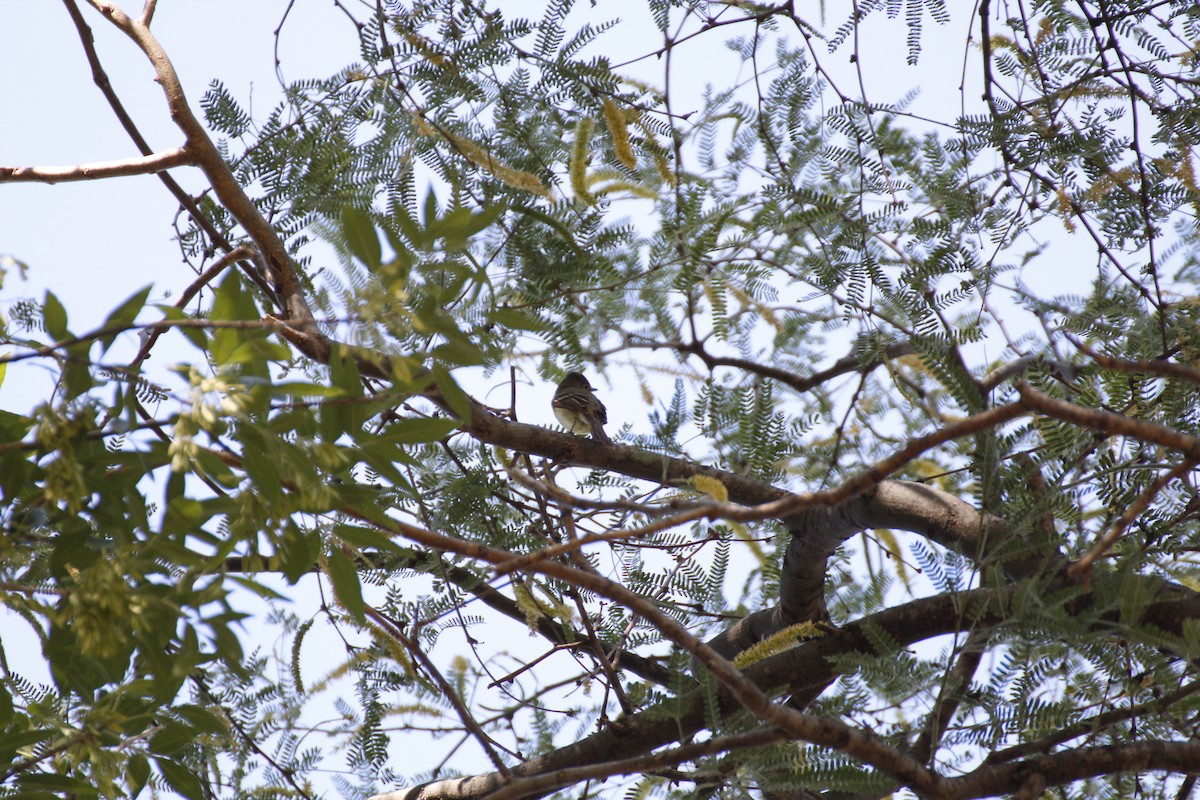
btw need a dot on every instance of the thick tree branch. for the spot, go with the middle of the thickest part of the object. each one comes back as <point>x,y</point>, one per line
<point>1074,765</point>
<point>770,502</point>
<point>540,784</point>
<point>895,505</point>
<point>809,665</point>
<point>809,515</point>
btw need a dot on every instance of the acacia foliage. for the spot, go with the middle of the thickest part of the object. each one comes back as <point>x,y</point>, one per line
<point>801,280</point>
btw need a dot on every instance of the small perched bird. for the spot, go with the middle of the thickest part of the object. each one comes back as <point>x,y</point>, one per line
<point>578,409</point>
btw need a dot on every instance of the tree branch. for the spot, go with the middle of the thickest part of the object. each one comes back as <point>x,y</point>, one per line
<point>448,692</point>
<point>1074,765</point>
<point>98,170</point>
<point>226,187</point>
<point>1110,423</point>
<point>808,665</point>
<point>552,630</point>
<point>1082,568</point>
<point>100,78</point>
<point>954,687</point>
<point>799,383</point>
<point>540,784</point>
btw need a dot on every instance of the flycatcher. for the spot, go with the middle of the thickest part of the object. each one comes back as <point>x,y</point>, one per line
<point>578,409</point>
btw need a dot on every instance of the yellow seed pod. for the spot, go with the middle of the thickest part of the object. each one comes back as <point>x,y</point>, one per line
<point>614,117</point>
<point>580,155</point>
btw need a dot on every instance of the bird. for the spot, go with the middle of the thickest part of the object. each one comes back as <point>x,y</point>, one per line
<point>578,409</point>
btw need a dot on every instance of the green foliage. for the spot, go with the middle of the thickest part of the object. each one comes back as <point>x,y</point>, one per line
<point>772,278</point>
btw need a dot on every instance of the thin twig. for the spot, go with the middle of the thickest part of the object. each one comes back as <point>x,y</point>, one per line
<point>1081,569</point>
<point>413,647</point>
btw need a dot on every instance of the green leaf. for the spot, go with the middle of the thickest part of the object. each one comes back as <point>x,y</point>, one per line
<point>455,397</point>
<point>301,390</point>
<point>394,274</point>
<point>431,209</point>
<point>414,430</point>
<point>124,315</point>
<point>447,286</point>
<point>432,318</point>
<point>137,774</point>
<point>184,514</point>
<point>253,354</point>
<point>171,737</point>
<point>343,372</point>
<point>180,778</point>
<point>77,371</point>
<point>228,644</point>
<point>197,336</point>
<point>13,427</point>
<point>225,307</point>
<point>382,456</point>
<point>361,237</point>
<point>298,551</point>
<point>516,319</point>
<point>460,351</point>
<point>457,227</point>
<point>261,460</point>
<point>367,539</point>
<point>345,582</point>
<point>10,743</point>
<point>54,317</point>
<point>561,229</point>
<point>410,229</point>
<point>53,782</point>
<point>71,669</point>
<point>202,719</point>
<point>257,588</point>
<point>341,414</point>
<point>208,464</point>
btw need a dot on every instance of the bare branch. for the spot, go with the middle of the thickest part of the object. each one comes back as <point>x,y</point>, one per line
<point>799,383</point>
<point>100,78</point>
<point>1090,725</point>
<point>1074,765</point>
<point>808,665</point>
<point>1159,366</point>
<point>98,170</point>
<point>220,265</point>
<point>225,185</point>
<point>1110,423</point>
<point>414,648</point>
